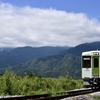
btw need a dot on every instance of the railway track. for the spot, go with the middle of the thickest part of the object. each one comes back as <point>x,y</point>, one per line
<point>62,95</point>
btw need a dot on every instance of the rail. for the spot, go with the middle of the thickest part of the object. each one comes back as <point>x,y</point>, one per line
<point>62,95</point>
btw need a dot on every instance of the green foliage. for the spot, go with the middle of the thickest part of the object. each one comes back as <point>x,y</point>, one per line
<point>52,66</point>
<point>12,84</point>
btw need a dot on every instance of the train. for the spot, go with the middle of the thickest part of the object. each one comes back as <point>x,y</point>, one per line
<point>90,63</point>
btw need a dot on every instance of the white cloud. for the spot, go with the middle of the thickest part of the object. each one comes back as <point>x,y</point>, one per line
<point>27,26</point>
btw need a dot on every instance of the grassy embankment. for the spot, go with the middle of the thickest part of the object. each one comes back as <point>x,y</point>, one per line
<point>12,84</point>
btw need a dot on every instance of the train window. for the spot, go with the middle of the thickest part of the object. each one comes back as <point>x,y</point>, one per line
<point>86,61</point>
<point>96,62</point>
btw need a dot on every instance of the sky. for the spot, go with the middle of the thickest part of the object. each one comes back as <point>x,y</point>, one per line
<point>39,23</point>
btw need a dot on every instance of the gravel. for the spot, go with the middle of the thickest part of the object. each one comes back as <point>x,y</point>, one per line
<point>92,96</point>
<point>80,97</point>
<point>10,96</point>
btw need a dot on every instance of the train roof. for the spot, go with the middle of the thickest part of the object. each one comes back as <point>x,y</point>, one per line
<point>91,53</point>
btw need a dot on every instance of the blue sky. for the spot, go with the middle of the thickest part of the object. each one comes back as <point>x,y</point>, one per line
<point>49,22</point>
<point>90,7</point>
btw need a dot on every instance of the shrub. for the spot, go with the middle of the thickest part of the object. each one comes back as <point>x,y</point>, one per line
<point>12,84</point>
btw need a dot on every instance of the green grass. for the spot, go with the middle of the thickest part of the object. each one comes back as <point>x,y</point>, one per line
<point>12,84</point>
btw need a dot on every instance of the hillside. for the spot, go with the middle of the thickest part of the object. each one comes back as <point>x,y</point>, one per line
<point>11,57</point>
<point>23,54</point>
<point>46,61</point>
<point>51,66</point>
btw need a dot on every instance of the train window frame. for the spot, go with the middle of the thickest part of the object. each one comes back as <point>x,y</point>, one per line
<point>96,63</point>
<point>86,61</point>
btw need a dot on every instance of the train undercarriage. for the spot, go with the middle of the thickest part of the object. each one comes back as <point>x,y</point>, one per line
<point>92,82</point>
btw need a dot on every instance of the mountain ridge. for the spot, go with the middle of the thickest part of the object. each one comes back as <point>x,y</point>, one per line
<point>52,65</point>
<point>77,50</point>
<point>23,54</point>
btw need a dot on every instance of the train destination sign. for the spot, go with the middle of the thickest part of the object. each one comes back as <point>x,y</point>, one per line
<point>86,58</point>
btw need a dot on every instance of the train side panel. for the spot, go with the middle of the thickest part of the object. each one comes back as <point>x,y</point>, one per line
<point>91,68</point>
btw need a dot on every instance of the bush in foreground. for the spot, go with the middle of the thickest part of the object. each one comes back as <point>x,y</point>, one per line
<point>12,84</point>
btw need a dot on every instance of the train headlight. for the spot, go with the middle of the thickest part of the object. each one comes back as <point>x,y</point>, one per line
<point>96,53</point>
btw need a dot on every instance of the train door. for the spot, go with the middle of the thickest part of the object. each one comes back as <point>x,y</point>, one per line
<point>86,67</point>
<point>95,66</point>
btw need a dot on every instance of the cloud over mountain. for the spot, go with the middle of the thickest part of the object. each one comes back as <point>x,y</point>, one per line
<point>21,26</point>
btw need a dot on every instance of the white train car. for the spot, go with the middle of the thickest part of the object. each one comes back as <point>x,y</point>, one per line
<point>91,69</point>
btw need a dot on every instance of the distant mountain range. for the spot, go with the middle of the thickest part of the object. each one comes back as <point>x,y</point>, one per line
<point>45,61</point>
<point>14,56</point>
<point>77,50</point>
